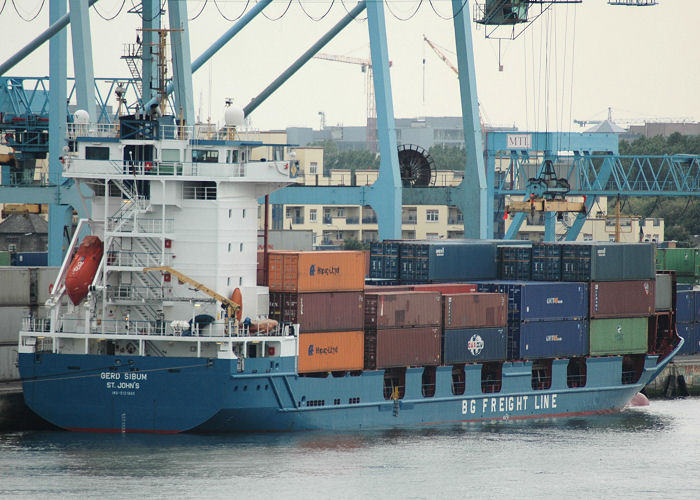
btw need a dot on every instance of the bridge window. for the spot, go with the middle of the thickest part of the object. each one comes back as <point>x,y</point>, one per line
<point>96,153</point>
<point>170,155</point>
<point>205,156</point>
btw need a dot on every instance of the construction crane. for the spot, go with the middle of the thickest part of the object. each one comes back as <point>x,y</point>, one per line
<point>366,67</point>
<point>449,63</point>
<point>231,307</point>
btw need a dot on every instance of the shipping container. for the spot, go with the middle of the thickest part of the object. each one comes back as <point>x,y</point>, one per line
<point>331,351</point>
<point>5,259</point>
<point>402,309</point>
<point>376,260</point>
<point>316,271</point>
<point>458,260</point>
<point>29,259</point>
<point>319,311</point>
<point>664,292</point>
<point>542,300</point>
<point>687,331</point>
<point>474,345</point>
<point>546,261</point>
<point>388,288</point>
<point>553,339</point>
<point>685,306</point>
<point>618,336</point>
<point>445,287</point>
<point>619,299</point>
<point>514,262</point>
<point>474,310</point>
<point>596,261</point>
<point>395,347</point>
<point>685,261</point>
<point>695,339</point>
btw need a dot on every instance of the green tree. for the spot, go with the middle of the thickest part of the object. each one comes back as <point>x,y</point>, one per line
<point>448,157</point>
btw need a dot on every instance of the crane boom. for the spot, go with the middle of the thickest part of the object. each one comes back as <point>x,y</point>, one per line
<point>441,55</point>
<point>231,306</point>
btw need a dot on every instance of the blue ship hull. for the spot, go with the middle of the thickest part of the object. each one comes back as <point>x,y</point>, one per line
<point>169,395</point>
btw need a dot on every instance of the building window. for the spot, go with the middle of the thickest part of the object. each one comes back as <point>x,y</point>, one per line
<point>587,237</point>
<point>431,215</point>
<point>312,215</point>
<point>96,153</point>
<point>341,212</point>
<point>313,168</point>
<point>432,236</point>
<point>205,156</point>
<point>611,238</point>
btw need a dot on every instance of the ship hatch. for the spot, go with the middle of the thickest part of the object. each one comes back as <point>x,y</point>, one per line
<point>632,366</point>
<point>491,377</point>
<point>576,373</point>
<point>458,380</point>
<point>428,382</point>
<point>394,383</point>
<point>542,374</point>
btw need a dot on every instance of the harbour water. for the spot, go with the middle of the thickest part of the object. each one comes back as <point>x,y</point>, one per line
<point>642,452</point>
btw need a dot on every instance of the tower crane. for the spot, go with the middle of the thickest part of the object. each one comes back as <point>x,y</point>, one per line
<point>366,67</point>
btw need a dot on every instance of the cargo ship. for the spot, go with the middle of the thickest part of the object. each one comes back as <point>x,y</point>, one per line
<point>158,323</point>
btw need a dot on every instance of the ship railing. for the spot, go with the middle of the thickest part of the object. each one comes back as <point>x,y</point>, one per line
<point>120,223</point>
<point>155,328</point>
<point>132,292</point>
<point>135,259</point>
<point>75,130</point>
<point>575,381</point>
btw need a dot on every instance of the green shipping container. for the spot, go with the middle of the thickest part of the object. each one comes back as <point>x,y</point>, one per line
<point>618,336</point>
<point>685,261</point>
<point>4,258</point>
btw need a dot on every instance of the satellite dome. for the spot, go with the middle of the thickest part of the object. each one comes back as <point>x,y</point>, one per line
<point>233,116</point>
<point>81,116</point>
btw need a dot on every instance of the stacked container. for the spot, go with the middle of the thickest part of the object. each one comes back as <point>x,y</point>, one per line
<point>384,260</point>
<point>475,327</point>
<point>546,261</point>
<point>684,261</point>
<point>514,262</point>
<point>688,320</point>
<point>323,293</point>
<point>402,329</point>
<point>545,319</point>
<point>622,293</point>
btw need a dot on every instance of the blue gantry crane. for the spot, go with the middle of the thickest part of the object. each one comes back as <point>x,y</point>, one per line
<point>475,197</point>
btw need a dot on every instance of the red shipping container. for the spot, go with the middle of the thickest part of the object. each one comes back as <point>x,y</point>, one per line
<point>446,288</point>
<point>622,299</point>
<point>408,347</point>
<point>402,309</point>
<point>474,310</point>
<point>319,311</point>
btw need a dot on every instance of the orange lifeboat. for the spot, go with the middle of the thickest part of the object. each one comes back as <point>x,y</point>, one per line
<point>83,267</point>
<point>237,297</point>
<point>263,326</point>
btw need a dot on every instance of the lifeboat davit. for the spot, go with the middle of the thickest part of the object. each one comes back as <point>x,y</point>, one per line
<point>83,267</point>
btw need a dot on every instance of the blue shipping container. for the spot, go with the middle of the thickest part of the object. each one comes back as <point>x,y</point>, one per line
<point>695,339</point>
<point>542,300</point>
<point>459,260</point>
<point>23,259</point>
<point>687,331</point>
<point>551,339</point>
<point>472,345</point>
<point>685,306</point>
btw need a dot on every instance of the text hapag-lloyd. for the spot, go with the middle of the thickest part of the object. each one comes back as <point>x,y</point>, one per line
<point>324,271</point>
<point>508,404</point>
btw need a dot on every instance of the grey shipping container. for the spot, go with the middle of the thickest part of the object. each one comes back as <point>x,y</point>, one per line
<point>474,345</point>
<point>402,309</point>
<point>664,294</point>
<point>319,311</point>
<point>550,339</point>
<point>397,347</point>
<point>616,299</point>
<point>607,261</point>
<point>474,310</point>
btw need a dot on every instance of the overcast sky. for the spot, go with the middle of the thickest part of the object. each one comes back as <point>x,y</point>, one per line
<point>571,63</point>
